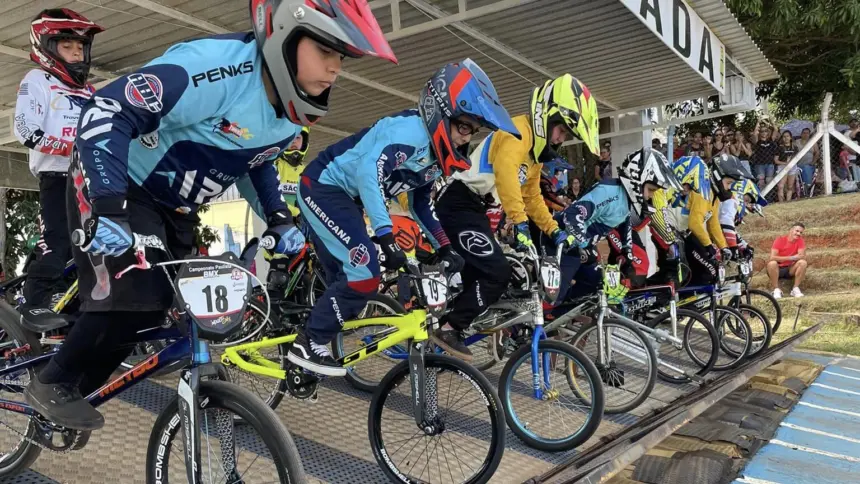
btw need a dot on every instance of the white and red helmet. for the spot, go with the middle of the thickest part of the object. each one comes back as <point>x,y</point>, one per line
<point>48,29</point>
<point>347,26</point>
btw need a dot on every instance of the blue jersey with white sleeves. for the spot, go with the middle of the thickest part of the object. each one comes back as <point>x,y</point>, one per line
<point>603,208</point>
<point>185,127</point>
<point>378,163</point>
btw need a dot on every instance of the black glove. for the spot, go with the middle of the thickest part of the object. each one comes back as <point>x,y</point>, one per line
<point>393,257</point>
<point>712,252</point>
<point>726,254</point>
<point>452,259</point>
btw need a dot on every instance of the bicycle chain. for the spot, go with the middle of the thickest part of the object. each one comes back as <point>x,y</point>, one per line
<point>37,444</point>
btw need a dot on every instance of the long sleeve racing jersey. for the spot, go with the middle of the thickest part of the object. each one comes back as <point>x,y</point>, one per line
<point>701,218</point>
<point>46,118</point>
<point>185,127</point>
<point>728,222</point>
<point>379,163</point>
<point>594,215</point>
<point>502,165</point>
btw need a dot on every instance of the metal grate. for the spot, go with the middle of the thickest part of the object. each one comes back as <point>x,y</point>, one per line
<point>30,477</point>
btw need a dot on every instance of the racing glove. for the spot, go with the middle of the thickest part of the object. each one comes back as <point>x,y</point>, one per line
<point>522,237</point>
<point>453,262</point>
<point>392,257</point>
<point>288,238</point>
<point>108,235</point>
<point>726,254</point>
<point>562,238</point>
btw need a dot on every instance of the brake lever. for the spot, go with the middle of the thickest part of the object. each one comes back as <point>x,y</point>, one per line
<point>142,263</point>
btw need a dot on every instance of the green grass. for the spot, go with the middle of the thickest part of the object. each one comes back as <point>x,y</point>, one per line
<point>832,286</point>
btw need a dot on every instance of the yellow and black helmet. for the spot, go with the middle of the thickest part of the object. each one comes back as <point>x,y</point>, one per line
<point>295,157</point>
<point>565,101</point>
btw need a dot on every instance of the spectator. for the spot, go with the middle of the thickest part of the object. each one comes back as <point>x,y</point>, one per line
<point>560,180</point>
<point>656,144</point>
<point>719,145</point>
<point>575,189</point>
<point>785,187</point>
<point>808,162</point>
<point>696,147</point>
<point>788,260</point>
<point>853,133</point>
<point>707,146</point>
<point>844,162</point>
<point>680,148</point>
<point>763,155</point>
<point>740,147</point>
<point>603,169</point>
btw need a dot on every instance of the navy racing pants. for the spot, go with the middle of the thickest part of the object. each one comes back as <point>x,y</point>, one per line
<point>348,256</point>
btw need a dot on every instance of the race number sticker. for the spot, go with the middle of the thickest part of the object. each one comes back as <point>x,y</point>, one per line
<point>550,276</point>
<point>746,268</point>
<point>722,274</point>
<point>612,278</point>
<point>214,293</point>
<point>435,289</point>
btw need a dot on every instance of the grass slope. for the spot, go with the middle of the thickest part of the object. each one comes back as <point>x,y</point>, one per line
<point>832,287</point>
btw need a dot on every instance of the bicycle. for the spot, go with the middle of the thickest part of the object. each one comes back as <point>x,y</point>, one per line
<point>213,316</point>
<point>768,306</point>
<point>425,374</point>
<point>521,307</point>
<point>641,344</point>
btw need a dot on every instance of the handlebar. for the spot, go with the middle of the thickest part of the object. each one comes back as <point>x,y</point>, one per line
<point>267,242</point>
<point>78,237</point>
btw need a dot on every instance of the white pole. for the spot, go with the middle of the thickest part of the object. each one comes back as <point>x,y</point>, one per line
<point>848,141</point>
<point>794,159</point>
<point>824,127</point>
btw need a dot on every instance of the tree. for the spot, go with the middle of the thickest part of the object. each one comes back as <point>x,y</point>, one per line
<point>204,236</point>
<point>21,214</point>
<point>815,47</point>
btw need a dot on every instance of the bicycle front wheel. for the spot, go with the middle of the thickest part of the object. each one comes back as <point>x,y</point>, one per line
<point>631,365</point>
<point>760,327</point>
<point>698,350</point>
<point>259,451</point>
<point>766,303</point>
<point>466,436</point>
<point>562,418</point>
<point>735,337</point>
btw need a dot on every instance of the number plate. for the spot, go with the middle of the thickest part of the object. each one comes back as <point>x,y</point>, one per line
<point>612,278</point>
<point>214,294</point>
<point>722,274</point>
<point>435,289</point>
<point>550,277</point>
<point>746,268</point>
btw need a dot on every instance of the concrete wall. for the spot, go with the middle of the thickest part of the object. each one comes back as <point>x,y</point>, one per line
<point>623,145</point>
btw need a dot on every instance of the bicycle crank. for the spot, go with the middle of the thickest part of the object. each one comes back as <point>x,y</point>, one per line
<point>301,384</point>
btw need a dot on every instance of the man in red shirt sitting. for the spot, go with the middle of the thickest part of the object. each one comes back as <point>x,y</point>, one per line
<point>787,260</point>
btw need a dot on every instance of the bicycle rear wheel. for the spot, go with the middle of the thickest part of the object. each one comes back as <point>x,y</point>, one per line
<point>699,348</point>
<point>760,327</point>
<point>468,426</point>
<point>259,451</point>
<point>631,370</point>
<point>764,302</point>
<point>365,375</point>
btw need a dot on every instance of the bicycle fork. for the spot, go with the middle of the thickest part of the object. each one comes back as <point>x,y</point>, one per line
<point>540,361</point>
<point>425,403</point>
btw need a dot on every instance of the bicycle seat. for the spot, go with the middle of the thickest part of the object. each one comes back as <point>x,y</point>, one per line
<point>40,320</point>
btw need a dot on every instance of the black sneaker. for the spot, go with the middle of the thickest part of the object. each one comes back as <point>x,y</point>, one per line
<point>453,343</point>
<point>314,357</point>
<point>63,404</point>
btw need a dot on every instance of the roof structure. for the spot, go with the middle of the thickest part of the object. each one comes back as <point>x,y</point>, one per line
<point>519,43</point>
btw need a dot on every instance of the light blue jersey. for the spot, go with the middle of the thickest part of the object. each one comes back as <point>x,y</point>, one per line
<point>185,127</point>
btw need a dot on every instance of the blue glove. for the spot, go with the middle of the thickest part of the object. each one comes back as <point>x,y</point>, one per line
<point>562,238</point>
<point>282,227</point>
<point>522,236</point>
<point>288,239</point>
<point>110,236</point>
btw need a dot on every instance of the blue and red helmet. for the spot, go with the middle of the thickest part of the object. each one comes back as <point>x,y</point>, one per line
<point>454,90</point>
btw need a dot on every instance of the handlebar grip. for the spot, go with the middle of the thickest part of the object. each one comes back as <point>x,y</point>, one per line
<point>78,237</point>
<point>267,242</point>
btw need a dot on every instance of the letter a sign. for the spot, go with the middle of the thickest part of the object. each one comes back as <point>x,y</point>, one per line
<point>683,31</point>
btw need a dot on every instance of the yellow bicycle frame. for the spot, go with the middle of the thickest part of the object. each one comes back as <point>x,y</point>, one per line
<point>67,297</point>
<point>411,325</point>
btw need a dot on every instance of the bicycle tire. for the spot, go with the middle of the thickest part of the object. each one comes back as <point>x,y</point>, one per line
<point>705,364</point>
<point>735,357</point>
<point>777,309</point>
<point>596,403</point>
<point>760,342</point>
<point>439,363</point>
<point>613,405</point>
<point>363,380</point>
<point>26,453</point>
<point>254,413</point>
